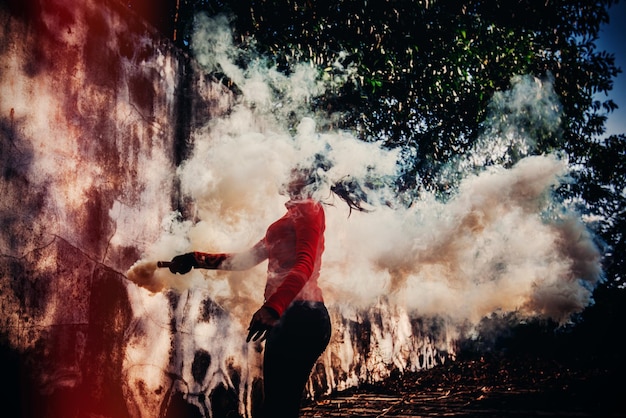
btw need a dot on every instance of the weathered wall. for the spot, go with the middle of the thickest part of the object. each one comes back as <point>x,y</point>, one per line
<point>96,112</point>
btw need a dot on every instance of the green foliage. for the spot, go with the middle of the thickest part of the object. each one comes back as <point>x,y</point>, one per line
<point>601,183</point>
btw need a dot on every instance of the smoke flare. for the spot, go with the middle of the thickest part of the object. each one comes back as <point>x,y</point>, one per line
<point>142,273</point>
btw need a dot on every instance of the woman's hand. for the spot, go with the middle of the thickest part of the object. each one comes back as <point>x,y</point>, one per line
<point>262,321</point>
<point>183,263</point>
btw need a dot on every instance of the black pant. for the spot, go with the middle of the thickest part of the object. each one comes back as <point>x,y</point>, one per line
<point>291,349</point>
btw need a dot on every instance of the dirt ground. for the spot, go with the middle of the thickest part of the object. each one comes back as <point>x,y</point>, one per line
<point>486,387</point>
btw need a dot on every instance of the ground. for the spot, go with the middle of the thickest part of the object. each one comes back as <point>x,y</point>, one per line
<point>487,386</point>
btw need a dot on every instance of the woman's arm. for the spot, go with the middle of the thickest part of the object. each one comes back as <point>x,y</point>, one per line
<point>237,261</point>
<point>219,261</point>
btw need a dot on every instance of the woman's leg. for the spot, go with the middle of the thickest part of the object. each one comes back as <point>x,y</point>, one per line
<point>291,349</point>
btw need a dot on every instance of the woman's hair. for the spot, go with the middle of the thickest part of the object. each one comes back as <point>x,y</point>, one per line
<point>346,188</point>
<point>350,192</point>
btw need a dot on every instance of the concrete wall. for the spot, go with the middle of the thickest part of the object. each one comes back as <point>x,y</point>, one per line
<point>95,113</point>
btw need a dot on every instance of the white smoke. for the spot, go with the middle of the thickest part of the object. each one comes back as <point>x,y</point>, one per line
<point>502,243</point>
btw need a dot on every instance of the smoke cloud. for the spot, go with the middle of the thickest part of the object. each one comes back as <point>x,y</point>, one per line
<point>502,243</point>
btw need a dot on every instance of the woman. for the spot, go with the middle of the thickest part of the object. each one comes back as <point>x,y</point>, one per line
<point>293,320</point>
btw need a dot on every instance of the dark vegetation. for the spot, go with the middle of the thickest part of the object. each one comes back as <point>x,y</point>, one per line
<point>534,369</point>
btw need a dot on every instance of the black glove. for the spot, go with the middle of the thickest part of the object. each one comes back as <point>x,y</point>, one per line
<point>183,263</point>
<point>262,321</point>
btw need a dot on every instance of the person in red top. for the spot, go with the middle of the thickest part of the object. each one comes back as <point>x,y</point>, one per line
<point>293,320</point>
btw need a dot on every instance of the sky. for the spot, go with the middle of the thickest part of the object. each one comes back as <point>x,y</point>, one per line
<point>613,40</point>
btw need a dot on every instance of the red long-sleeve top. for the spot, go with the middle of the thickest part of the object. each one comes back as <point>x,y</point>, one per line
<point>293,246</point>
